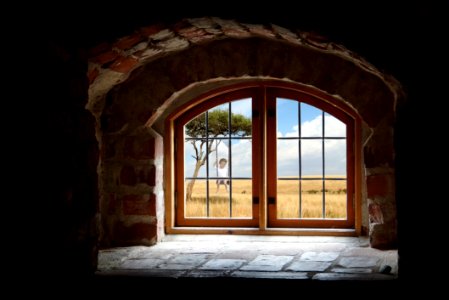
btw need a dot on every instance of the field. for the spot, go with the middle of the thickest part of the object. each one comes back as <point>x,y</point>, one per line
<point>287,199</point>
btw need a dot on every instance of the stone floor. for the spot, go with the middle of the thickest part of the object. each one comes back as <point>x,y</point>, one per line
<point>256,257</point>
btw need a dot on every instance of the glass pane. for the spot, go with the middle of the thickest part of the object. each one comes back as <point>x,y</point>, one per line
<point>336,199</point>
<point>241,158</point>
<point>195,198</point>
<point>242,198</point>
<point>287,158</point>
<point>311,199</point>
<point>218,117</point>
<point>219,158</point>
<point>311,158</point>
<point>287,199</point>
<point>196,127</point>
<point>311,121</point>
<point>219,198</point>
<point>194,155</point>
<point>241,118</point>
<point>335,158</point>
<point>333,127</point>
<point>287,118</point>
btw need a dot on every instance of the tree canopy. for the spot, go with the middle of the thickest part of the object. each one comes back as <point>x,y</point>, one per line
<point>218,124</point>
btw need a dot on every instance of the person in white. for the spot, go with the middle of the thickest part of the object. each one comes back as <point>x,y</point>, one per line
<point>222,171</point>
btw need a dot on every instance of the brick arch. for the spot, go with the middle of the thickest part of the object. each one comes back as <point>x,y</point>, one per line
<point>136,81</point>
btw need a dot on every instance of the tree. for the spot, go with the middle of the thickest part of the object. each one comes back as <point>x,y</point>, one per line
<point>217,126</point>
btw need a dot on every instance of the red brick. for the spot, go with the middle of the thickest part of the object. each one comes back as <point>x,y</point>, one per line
<point>128,176</point>
<point>138,205</point>
<point>123,64</point>
<point>92,75</point>
<point>106,57</point>
<point>139,149</point>
<point>135,232</point>
<point>377,185</point>
<point>150,30</point>
<point>128,42</point>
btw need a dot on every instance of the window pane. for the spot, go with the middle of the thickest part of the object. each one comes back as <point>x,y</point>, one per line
<point>336,197</point>
<point>241,158</point>
<point>335,158</point>
<point>333,127</point>
<point>312,199</point>
<point>287,158</point>
<point>218,117</point>
<point>196,195</point>
<point>287,199</point>
<point>311,158</point>
<point>194,154</point>
<point>311,121</point>
<point>241,118</point>
<point>287,118</point>
<point>219,198</point>
<point>196,127</point>
<point>242,198</point>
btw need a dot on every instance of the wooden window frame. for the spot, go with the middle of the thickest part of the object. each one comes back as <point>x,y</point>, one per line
<point>260,92</point>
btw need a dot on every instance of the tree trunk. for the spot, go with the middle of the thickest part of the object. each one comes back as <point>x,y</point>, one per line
<point>199,163</point>
<point>189,189</point>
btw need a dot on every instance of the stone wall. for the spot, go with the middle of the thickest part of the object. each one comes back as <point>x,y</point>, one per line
<point>136,81</point>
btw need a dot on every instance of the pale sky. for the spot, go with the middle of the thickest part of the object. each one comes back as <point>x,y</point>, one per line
<point>287,150</point>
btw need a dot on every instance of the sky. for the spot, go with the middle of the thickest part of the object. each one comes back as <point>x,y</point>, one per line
<point>287,150</point>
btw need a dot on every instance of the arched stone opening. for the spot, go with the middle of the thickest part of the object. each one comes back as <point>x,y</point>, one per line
<point>136,82</point>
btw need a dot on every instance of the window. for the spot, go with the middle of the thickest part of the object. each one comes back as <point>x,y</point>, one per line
<point>265,157</point>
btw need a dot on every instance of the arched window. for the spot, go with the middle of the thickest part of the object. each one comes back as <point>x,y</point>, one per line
<point>266,157</point>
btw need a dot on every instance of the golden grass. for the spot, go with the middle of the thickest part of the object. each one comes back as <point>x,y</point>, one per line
<point>287,199</point>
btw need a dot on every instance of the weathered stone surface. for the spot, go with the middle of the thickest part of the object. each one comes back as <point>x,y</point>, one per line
<point>146,263</point>
<point>352,270</point>
<point>341,276</point>
<point>189,259</point>
<point>358,261</point>
<point>319,256</point>
<point>308,266</point>
<point>375,213</point>
<point>162,35</point>
<point>268,275</point>
<point>173,44</point>
<point>267,263</point>
<point>205,274</point>
<point>223,264</point>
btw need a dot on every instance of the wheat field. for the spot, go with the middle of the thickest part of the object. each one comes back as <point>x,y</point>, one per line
<point>287,199</point>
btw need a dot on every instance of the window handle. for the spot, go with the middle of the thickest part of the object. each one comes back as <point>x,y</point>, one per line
<point>271,200</point>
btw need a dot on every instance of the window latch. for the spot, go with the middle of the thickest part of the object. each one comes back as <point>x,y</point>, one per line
<point>271,200</point>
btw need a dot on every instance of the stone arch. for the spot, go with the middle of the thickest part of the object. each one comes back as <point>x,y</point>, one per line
<point>138,80</point>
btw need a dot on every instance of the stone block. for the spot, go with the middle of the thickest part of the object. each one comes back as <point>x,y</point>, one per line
<point>139,205</point>
<point>123,64</point>
<point>128,176</point>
